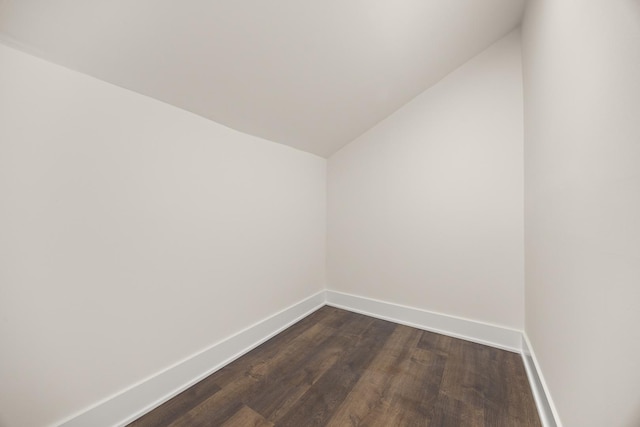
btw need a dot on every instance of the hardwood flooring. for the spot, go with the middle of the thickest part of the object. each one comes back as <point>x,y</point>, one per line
<point>337,368</point>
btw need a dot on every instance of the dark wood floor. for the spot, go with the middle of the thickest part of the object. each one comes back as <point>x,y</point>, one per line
<point>337,368</point>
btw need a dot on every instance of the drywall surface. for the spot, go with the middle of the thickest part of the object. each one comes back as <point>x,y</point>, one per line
<point>425,209</point>
<point>582,205</point>
<point>134,234</point>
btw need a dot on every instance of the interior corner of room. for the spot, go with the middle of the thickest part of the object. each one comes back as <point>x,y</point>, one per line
<point>144,245</point>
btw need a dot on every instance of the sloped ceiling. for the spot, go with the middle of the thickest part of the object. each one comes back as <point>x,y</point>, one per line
<point>312,74</point>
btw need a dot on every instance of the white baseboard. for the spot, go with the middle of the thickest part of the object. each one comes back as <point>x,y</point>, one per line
<point>139,399</point>
<point>128,405</point>
<point>470,330</point>
<point>546,409</point>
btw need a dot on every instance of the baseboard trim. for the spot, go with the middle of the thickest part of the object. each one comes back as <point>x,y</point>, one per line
<point>141,398</point>
<point>546,409</point>
<point>128,405</point>
<point>470,330</point>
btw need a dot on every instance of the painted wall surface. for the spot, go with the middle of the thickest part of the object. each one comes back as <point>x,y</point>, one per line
<point>134,234</point>
<point>426,208</point>
<point>582,205</point>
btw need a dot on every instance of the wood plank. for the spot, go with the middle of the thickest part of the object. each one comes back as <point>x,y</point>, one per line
<point>290,384</point>
<point>398,387</point>
<point>450,412</point>
<point>318,404</point>
<point>247,417</point>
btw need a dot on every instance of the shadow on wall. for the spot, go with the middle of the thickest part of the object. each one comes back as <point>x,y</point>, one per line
<point>634,5</point>
<point>636,417</point>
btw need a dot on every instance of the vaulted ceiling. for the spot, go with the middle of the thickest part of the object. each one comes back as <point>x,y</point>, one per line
<point>312,74</point>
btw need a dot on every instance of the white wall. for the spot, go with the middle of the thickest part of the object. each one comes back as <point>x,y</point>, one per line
<point>134,234</point>
<point>426,208</point>
<point>582,214</point>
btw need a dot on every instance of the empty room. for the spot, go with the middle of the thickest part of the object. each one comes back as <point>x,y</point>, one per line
<point>320,213</point>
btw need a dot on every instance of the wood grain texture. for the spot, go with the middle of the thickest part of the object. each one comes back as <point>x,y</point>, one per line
<point>337,368</point>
